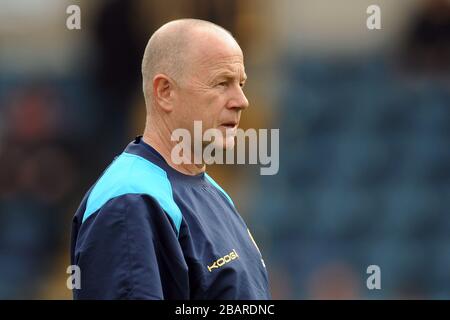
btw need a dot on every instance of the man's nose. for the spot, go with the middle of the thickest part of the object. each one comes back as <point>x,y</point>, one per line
<point>238,100</point>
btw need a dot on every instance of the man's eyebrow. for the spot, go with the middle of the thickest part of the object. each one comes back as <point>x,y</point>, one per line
<point>229,74</point>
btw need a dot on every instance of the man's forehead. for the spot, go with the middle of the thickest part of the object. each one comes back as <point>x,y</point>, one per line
<point>230,63</point>
<point>215,46</point>
<point>226,69</point>
<point>221,64</point>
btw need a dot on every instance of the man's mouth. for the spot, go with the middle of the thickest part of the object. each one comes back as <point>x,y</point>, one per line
<point>230,125</point>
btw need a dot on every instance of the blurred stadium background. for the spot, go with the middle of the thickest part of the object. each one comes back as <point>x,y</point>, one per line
<point>364,120</point>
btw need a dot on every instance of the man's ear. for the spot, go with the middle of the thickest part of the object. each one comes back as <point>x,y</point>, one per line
<point>163,91</point>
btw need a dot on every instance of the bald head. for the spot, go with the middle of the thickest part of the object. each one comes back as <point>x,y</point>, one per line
<point>193,72</point>
<point>170,50</point>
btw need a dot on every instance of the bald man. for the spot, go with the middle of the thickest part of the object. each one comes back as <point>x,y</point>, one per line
<point>152,227</point>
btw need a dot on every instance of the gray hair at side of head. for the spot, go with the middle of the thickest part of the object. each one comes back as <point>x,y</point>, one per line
<point>167,49</point>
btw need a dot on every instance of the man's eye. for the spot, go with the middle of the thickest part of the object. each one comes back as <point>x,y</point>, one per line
<point>222,84</point>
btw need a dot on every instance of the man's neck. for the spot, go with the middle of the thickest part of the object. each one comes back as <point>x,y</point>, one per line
<point>164,148</point>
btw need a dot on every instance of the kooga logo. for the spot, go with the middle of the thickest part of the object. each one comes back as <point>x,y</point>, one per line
<point>224,260</point>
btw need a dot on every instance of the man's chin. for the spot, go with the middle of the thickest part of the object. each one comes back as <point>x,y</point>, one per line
<point>222,144</point>
<point>229,143</point>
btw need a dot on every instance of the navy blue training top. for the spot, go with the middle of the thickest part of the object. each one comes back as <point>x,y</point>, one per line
<point>146,231</point>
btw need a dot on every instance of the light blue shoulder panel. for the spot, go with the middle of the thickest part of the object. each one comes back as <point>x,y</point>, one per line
<point>215,184</point>
<point>132,174</point>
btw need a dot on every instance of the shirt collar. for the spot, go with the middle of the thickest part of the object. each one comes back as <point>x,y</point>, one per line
<point>140,148</point>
